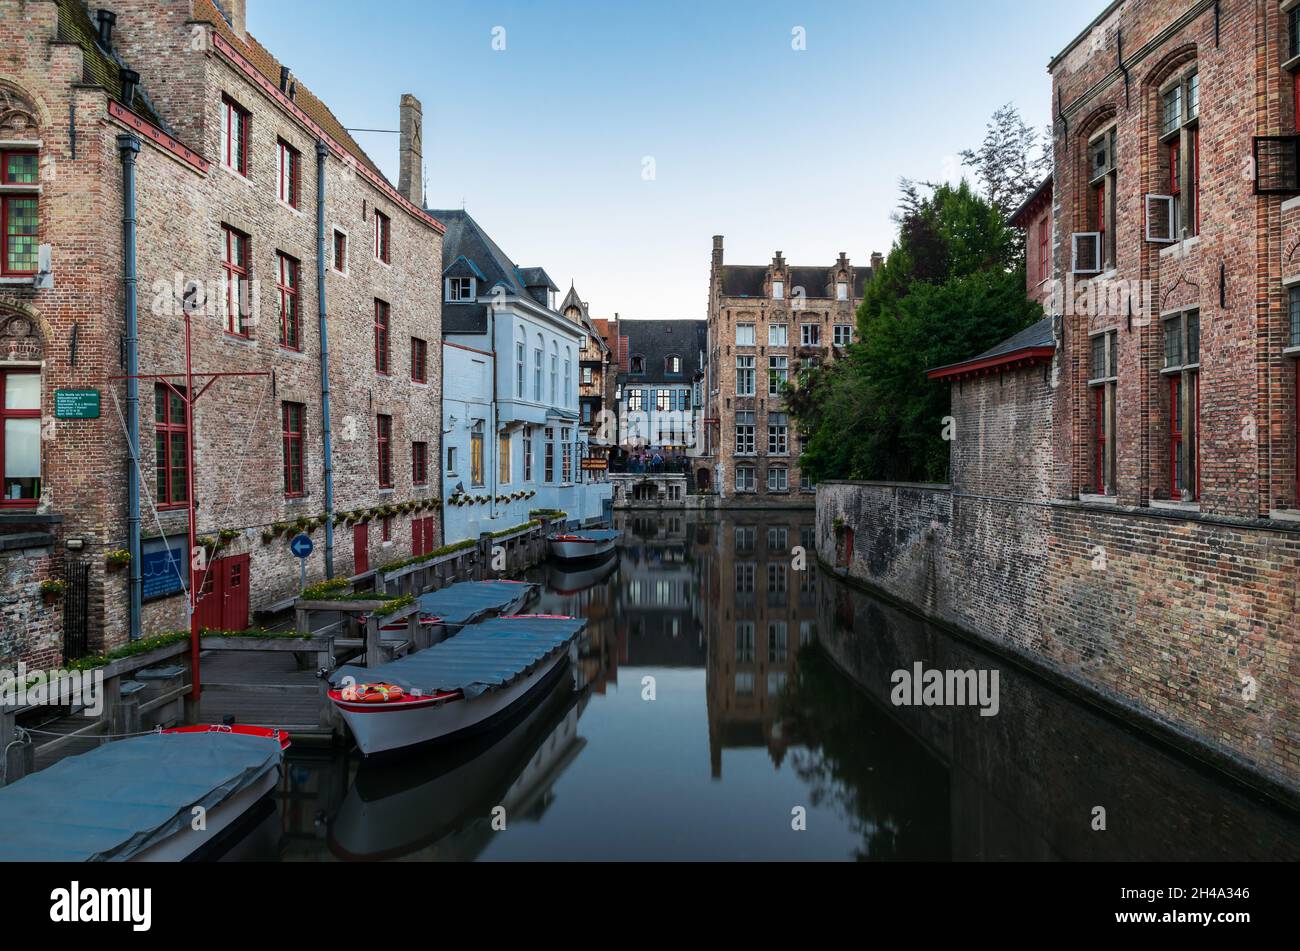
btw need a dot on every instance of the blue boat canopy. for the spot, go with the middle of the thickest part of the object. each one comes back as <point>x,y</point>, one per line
<point>483,656</point>
<point>468,601</point>
<point>116,801</point>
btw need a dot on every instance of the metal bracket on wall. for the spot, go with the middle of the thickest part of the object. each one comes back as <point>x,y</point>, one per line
<point>1223,286</point>
<point>1216,24</point>
<point>72,344</point>
<point>1119,55</point>
<point>72,129</point>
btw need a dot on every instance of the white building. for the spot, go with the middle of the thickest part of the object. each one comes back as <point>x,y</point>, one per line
<point>512,443</point>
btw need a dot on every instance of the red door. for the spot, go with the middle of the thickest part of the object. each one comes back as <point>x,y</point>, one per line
<point>361,548</point>
<point>223,597</point>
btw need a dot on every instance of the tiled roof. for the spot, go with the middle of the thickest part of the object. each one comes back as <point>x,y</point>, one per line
<point>746,280</point>
<point>1035,341</point>
<point>101,66</point>
<point>656,340</point>
<point>269,66</point>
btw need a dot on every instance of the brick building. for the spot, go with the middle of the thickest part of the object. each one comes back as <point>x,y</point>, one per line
<point>1034,218</point>
<point>220,145</point>
<point>765,322</point>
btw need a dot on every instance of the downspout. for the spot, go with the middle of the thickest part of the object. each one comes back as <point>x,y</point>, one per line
<point>322,152</point>
<point>129,146</point>
<point>496,439</point>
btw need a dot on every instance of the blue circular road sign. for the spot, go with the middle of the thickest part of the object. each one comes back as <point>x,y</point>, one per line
<point>301,545</point>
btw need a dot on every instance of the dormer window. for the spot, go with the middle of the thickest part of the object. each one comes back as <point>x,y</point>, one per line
<point>673,364</point>
<point>460,289</point>
<point>778,290</point>
<point>841,290</point>
<point>638,364</point>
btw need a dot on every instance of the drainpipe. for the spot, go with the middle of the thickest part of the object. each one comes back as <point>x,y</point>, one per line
<point>322,152</point>
<point>129,146</point>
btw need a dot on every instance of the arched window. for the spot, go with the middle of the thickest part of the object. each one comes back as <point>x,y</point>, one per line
<point>520,350</point>
<point>555,374</point>
<point>568,374</point>
<point>537,369</point>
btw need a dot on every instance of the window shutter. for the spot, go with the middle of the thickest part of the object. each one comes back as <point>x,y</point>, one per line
<point>1086,257</point>
<point>1160,219</point>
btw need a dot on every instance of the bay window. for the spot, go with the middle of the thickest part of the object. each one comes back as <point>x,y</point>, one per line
<point>20,447</point>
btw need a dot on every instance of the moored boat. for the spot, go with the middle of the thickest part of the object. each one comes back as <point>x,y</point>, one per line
<point>455,687</point>
<point>135,800</point>
<point>447,610</point>
<point>583,544</point>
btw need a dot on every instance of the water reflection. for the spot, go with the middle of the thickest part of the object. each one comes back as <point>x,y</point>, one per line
<point>723,688</point>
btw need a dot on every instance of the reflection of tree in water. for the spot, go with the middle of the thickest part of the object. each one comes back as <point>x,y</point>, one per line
<point>854,757</point>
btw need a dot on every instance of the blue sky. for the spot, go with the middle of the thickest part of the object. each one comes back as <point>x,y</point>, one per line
<point>546,142</point>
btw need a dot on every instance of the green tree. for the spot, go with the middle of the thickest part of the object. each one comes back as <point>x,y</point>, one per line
<point>952,286</point>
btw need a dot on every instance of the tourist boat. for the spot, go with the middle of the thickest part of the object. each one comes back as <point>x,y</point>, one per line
<point>457,686</point>
<point>431,805</point>
<point>447,610</point>
<point>133,800</point>
<point>583,544</point>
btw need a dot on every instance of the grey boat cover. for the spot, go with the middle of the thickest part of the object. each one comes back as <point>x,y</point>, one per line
<point>120,799</point>
<point>483,656</point>
<point>468,601</point>
<point>595,534</point>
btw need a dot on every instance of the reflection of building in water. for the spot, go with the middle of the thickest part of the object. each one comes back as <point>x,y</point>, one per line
<point>760,592</point>
<point>586,592</point>
<point>657,609</point>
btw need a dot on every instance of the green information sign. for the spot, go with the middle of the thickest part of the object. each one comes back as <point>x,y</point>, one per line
<point>76,404</point>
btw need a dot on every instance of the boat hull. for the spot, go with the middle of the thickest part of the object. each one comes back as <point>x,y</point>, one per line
<point>384,728</point>
<point>577,548</point>
<point>185,843</point>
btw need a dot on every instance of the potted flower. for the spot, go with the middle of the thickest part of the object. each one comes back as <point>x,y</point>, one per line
<point>227,535</point>
<point>51,590</point>
<point>117,559</point>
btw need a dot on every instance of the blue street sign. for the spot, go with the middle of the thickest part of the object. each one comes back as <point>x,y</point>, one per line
<point>301,546</point>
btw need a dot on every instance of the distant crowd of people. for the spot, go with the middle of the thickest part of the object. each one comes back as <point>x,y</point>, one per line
<point>653,461</point>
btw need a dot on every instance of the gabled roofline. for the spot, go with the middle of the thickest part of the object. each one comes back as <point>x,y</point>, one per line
<point>1012,360</point>
<point>1051,64</point>
<point>1043,187</point>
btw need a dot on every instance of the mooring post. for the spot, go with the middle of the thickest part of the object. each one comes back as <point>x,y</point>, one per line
<point>484,554</point>
<point>374,649</point>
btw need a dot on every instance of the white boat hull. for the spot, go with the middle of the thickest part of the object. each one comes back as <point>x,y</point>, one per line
<point>189,840</point>
<point>383,728</point>
<point>581,550</point>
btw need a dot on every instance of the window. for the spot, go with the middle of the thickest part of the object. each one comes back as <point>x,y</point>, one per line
<point>521,358</point>
<point>286,290</point>
<point>778,642</point>
<point>567,473</point>
<point>744,478</point>
<point>745,570</point>
<point>340,252</point>
<point>778,480</point>
<point>1293,33</point>
<point>744,434</point>
<point>460,289</point>
<point>476,455</point>
<point>568,376</point>
<point>638,365</point>
<point>745,538</point>
<point>586,376</point>
<point>419,463</point>
<point>778,335</point>
<point>19,222</point>
<point>841,290</point>
<point>810,335</point>
<point>744,335</point>
<point>384,442</point>
<point>744,376</point>
<point>291,423</point>
<point>635,401</point>
<point>778,373</point>
<point>1094,248</point>
<point>586,413</point>
<point>234,136</point>
<point>777,431</point>
<point>288,172</point>
<point>842,335</point>
<point>673,364</point>
<point>20,448</point>
<point>778,290</point>
<point>1103,379</point>
<point>555,375</point>
<point>528,454</point>
<point>1293,301</point>
<point>537,370</point>
<point>169,445</point>
<point>744,642</point>
<point>381,336</point>
<point>419,360</point>
<point>1182,372</point>
<point>386,528</point>
<point>234,268</point>
<point>383,233</point>
<point>1181,138</point>
<point>505,463</point>
<point>548,461</point>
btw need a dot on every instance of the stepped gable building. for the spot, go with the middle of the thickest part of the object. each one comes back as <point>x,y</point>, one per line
<point>661,386</point>
<point>596,379</point>
<point>512,434</point>
<point>765,322</point>
<point>171,115</point>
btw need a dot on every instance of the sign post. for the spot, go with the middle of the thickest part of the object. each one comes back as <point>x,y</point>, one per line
<point>302,546</point>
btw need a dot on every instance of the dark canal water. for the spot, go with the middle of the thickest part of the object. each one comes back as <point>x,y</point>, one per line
<point>725,695</point>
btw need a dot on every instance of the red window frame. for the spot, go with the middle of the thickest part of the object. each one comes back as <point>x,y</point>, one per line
<point>419,463</point>
<point>1099,439</point>
<point>1175,180</point>
<point>1100,193</point>
<point>383,234</point>
<point>7,201</point>
<point>1044,247</point>
<point>1175,433</point>
<point>419,360</point>
<point>1295,100</point>
<point>1195,196</point>
<point>235,136</point>
<point>340,252</point>
<point>288,172</point>
<point>381,336</point>
<point>291,422</point>
<point>384,444</point>
<point>288,276</point>
<point>169,429</point>
<point>234,266</point>
<point>7,414</point>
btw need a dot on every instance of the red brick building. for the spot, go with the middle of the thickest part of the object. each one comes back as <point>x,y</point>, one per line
<point>223,145</point>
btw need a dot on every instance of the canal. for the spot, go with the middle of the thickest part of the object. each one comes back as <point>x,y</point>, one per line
<point>733,705</point>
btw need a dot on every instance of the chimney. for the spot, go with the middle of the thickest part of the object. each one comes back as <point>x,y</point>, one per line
<point>130,82</point>
<point>106,20</point>
<point>409,180</point>
<point>717,251</point>
<point>238,16</point>
<point>877,261</point>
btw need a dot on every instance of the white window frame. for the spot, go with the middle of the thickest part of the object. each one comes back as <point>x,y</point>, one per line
<point>1152,203</point>
<point>457,296</point>
<point>778,290</point>
<point>784,334</point>
<point>1095,237</point>
<point>740,341</point>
